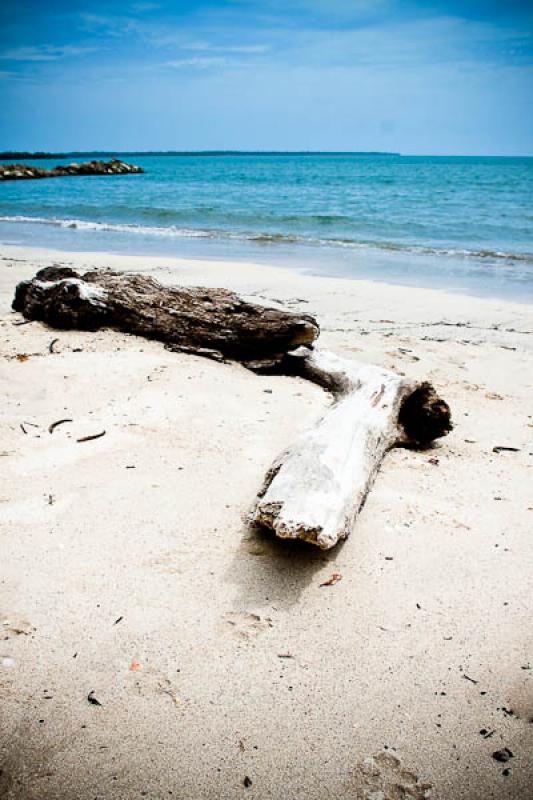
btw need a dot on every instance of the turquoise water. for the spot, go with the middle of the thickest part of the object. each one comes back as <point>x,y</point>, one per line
<point>461,223</point>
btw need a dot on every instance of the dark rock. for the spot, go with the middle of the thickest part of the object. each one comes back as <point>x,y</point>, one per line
<point>503,755</point>
<point>11,172</point>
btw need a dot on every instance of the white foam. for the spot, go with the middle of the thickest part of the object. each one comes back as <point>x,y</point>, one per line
<point>195,233</point>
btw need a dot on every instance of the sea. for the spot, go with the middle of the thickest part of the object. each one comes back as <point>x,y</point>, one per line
<point>460,224</point>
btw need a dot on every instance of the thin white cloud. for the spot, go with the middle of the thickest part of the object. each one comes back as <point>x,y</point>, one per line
<point>229,48</point>
<point>44,53</point>
<point>139,8</point>
<point>198,62</point>
<point>115,26</point>
<point>395,44</point>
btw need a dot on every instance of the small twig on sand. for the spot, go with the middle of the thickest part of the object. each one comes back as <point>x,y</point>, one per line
<point>54,425</point>
<point>90,438</point>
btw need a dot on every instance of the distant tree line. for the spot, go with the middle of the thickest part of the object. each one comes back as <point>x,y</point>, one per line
<point>9,155</point>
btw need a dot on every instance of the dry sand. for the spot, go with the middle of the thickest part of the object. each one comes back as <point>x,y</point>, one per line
<point>223,668</point>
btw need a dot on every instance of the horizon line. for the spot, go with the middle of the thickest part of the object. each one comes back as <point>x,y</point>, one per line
<point>9,154</point>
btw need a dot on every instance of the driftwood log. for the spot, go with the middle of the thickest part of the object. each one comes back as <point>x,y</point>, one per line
<point>316,488</point>
<point>211,322</point>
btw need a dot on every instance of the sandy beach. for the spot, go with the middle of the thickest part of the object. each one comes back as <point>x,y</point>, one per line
<point>220,666</point>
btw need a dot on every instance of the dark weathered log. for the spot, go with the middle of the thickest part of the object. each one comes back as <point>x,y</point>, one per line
<point>212,322</point>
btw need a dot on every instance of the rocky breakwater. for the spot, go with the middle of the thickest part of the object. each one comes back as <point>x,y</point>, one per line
<point>17,172</point>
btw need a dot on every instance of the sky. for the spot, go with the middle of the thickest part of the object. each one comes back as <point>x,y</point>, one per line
<point>395,75</point>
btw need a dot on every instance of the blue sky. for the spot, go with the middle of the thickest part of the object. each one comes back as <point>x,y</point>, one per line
<point>432,77</point>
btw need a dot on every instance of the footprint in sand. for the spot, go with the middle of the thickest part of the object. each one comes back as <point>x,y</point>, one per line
<point>148,682</point>
<point>245,625</point>
<point>383,777</point>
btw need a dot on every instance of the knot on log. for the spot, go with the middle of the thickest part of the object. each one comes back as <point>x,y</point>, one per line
<point>424,416</point>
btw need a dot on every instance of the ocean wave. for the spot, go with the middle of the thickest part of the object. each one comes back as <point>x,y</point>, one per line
<point>268,238</point>
<point>87,225</point>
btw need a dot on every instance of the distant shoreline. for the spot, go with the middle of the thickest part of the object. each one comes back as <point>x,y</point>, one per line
<point>9,155</point>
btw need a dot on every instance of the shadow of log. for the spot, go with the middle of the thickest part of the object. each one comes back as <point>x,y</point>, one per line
<point>268,571</point>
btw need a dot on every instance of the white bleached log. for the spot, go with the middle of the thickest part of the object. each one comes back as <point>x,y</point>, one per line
<point>316,488</point>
